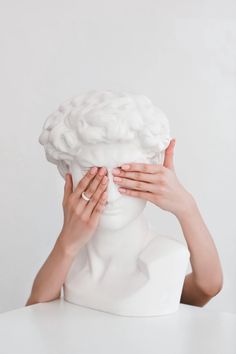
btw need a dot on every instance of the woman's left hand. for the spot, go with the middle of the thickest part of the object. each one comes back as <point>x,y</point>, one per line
<point>156,183</point>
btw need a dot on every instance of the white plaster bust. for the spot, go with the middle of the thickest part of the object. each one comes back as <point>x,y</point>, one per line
<point>125,268</point>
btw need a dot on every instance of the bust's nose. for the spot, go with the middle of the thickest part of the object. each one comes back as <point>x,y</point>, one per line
<point>112,188</point>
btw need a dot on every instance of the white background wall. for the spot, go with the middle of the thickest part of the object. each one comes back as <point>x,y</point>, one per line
<point>181,54</point>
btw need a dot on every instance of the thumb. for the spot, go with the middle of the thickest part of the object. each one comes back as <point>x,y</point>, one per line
<point>169,155</point>
<point>68,187</point>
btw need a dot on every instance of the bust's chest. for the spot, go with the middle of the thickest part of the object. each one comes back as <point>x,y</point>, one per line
<point>151,284</point>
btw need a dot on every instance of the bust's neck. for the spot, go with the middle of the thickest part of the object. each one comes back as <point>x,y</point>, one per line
<point>126,242</point>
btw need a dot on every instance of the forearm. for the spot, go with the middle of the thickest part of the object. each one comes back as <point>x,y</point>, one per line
<point>51,276</point>
<point>206,277</point>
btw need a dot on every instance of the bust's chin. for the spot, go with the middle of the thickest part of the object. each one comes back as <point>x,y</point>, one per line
<point>114,221</point>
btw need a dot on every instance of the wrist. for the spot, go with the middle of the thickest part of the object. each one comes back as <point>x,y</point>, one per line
<point>67,249</point>
<point>188,207</point>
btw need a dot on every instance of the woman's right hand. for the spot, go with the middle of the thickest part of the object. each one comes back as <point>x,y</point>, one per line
<point>81,217</point>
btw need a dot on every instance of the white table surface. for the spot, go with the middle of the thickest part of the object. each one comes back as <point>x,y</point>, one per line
<point>60,327</point>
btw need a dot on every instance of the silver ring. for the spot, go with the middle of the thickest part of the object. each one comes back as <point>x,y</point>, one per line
<point>84,196</point>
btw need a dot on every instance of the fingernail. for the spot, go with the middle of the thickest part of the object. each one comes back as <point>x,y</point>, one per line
<point>101,171</point>
<point>116,171</point>
<point>93,170</point>
<point>125,167</point>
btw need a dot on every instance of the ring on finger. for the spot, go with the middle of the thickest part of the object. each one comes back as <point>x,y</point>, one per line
<point>85,197</point>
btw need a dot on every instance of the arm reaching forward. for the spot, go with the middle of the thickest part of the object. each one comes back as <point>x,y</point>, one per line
<point>50,278</point>
<point>206,279</point>
<point>80,222</point>
<point>159,185</point>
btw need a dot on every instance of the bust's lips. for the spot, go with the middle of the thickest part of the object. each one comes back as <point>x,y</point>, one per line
<point>111,211</point>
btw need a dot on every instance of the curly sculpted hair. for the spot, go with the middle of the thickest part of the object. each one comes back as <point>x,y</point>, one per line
<point>103,117</point>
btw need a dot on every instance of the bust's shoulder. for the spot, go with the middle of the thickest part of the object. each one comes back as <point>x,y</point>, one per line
<point>163,246</point>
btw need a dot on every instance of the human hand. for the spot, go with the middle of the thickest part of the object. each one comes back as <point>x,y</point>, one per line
<point>155,183</point>
<point>81,217</point>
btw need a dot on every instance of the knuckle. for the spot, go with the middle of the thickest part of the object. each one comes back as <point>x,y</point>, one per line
<point>102,187</point>
<point>137,175</point>
<point>97,210</point>
<point>162,170</point>
<point>138,185</point>
<point>161,189</point>
<point>145,168</point>
<point>94,198</point>
<point>65,204</point>
<point>84,218</point>
<point>102,205</point>
<point>98,177</point>
<point>90,191</point>
<point>69,201</point>
<point>103,198</point>
<point>82,184</point>
<point>99,207</point>
<point>162,180</point>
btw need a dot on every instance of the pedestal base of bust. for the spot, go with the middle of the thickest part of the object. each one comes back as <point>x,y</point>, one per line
<point>152,288</point>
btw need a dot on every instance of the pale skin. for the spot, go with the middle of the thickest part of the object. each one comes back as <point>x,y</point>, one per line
<point>155,183</point>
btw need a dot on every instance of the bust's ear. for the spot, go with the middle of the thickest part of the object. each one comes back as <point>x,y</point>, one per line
<point>63,168</point>
<point>159,158</point>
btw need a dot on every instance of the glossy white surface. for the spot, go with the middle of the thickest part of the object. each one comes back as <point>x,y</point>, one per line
<point>59,327</point>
